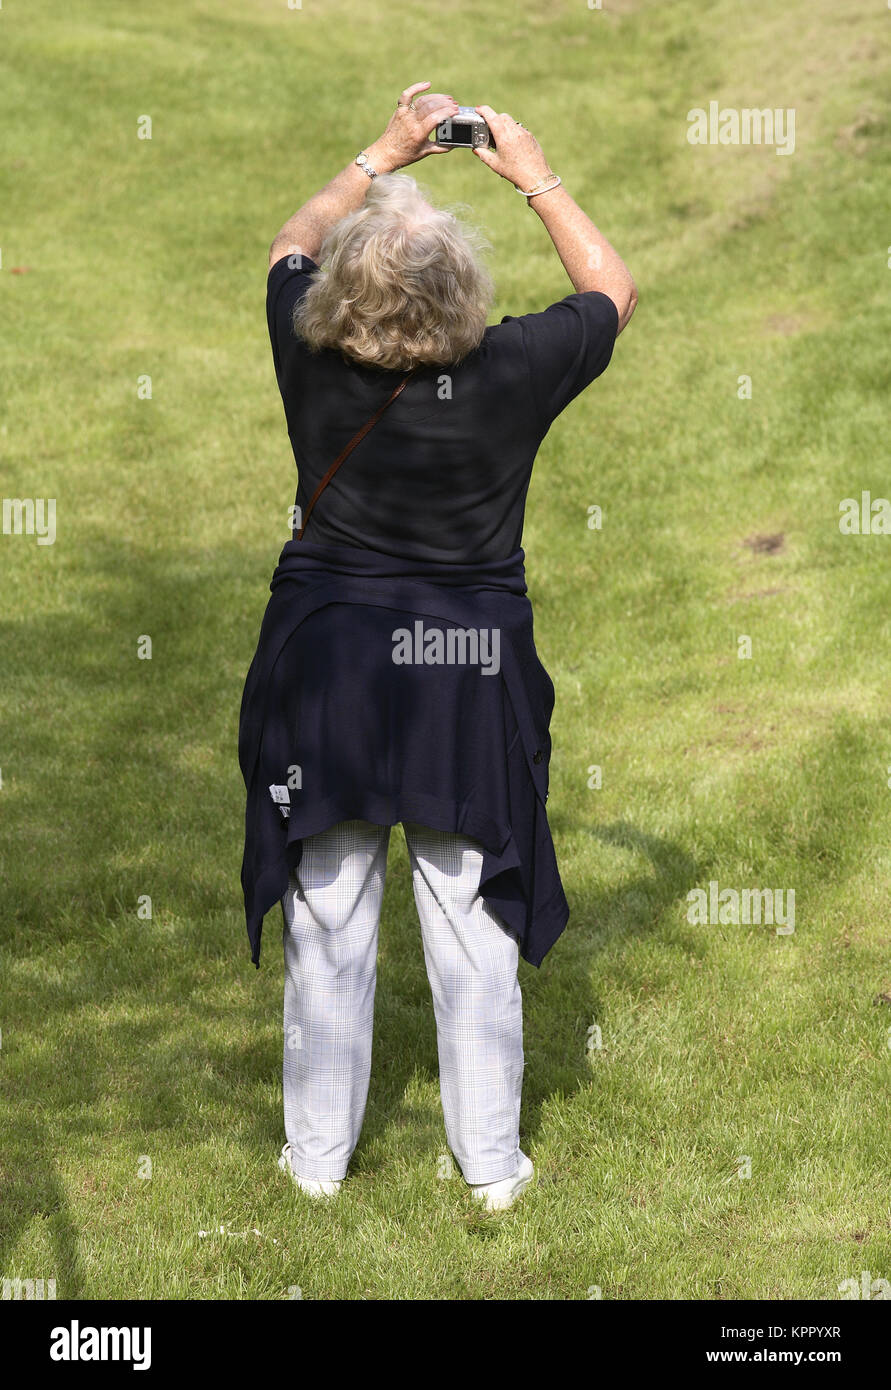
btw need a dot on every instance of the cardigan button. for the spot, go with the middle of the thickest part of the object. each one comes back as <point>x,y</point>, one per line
<point>537,756</point>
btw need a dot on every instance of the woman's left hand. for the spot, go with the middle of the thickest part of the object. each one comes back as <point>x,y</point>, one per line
<point>405,139</point>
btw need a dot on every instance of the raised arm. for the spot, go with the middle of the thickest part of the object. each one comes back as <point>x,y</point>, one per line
<point>404,141</point>
<point>590,261</point>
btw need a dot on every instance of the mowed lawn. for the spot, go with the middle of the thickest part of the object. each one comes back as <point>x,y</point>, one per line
<point>707,1106</point>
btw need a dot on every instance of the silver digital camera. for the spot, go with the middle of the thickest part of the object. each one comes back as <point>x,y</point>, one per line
<point>467,129</point>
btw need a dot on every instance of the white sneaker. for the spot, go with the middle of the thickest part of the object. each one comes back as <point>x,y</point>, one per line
<point>503,1193</point>
<point>316,1187</point>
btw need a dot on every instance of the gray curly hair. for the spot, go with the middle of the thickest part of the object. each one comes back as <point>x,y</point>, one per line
<point>400,282</point>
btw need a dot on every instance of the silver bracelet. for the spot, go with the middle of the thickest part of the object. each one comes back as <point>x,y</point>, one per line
<point>534,192</point>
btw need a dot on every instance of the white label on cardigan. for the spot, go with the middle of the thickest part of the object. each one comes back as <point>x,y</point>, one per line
<point>282,798</point>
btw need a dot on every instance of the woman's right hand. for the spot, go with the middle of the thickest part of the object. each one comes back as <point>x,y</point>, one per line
<point>518,157</point>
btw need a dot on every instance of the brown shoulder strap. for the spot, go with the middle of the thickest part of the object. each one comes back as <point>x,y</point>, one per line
<point>351,446</point>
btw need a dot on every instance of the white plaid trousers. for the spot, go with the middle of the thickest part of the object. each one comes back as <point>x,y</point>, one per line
<point>331,912</point>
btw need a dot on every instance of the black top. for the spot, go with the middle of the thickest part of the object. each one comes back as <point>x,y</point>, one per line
<point>443,475</point>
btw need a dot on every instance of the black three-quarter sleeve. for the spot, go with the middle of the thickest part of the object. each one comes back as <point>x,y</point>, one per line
<point>567,346</point>
<point>288,280</point>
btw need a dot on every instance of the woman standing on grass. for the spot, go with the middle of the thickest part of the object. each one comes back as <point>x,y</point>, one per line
<point>396,677</point>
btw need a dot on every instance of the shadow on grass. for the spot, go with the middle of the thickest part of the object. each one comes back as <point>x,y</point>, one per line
<point>117,810</point>
<point>559,1001</point>
<point>127,780</point>
<point>30,1190</point>
<point>560,1007</point>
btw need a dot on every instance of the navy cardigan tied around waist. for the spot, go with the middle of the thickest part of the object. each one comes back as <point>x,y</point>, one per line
<point>334,728</point>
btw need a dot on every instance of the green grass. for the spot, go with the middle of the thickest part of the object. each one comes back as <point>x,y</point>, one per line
<point>124,1038</point>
